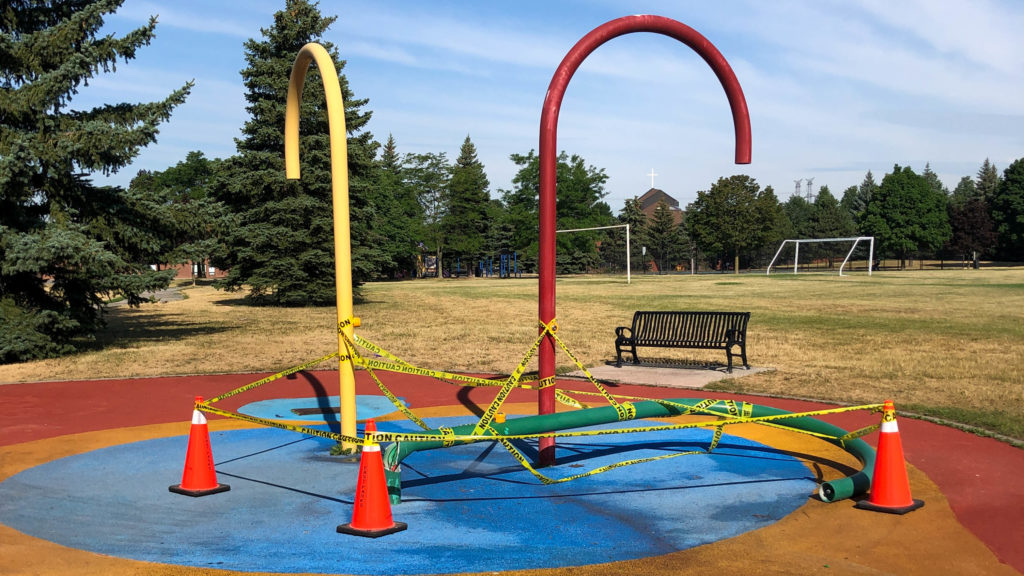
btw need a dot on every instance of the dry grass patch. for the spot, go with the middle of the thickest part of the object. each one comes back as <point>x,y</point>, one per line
<point>944,342</point>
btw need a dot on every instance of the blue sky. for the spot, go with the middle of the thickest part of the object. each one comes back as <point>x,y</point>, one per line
<point>834,88</point>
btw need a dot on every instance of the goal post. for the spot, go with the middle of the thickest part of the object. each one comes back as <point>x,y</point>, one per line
<point>796,258</point>
<point>626,226</point>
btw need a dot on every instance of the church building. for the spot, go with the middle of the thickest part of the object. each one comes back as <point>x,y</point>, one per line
<point>650,200</point>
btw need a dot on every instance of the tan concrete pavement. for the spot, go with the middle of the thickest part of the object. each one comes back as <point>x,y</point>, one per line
<point>682,376</point>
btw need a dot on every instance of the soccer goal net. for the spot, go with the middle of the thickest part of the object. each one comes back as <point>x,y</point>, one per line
<point>818,251</point>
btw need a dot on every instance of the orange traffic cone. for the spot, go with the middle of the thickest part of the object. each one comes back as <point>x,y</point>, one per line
<point>372,514</point>
<point>199,477</point>
<point>890,488</point>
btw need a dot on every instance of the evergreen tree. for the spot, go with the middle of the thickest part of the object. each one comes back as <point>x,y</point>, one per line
<point>906,215</point>
<point>66,244</point>
<point>466,218</point>
<point>965,191</point>
<point>1008,213</point>
<point>801,217</point>
<point>501,234</point>
<point>397,215</point>
<point>933,180</point>
<point>633,215</point>
<point>849,202</point>
<point>663,236</point>
<point>281,245</point>
<point>988,181</point>
<point>773,226</point>
<point>831,221</point>
<point>865,192</point>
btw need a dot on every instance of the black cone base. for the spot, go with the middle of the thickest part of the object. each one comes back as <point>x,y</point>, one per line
<point>866,505</point>
<point>348,529</point>
<point>177,489</point>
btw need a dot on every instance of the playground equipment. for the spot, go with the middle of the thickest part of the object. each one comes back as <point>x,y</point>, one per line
<point>549,150</point>
<point>532,426</point>
<point>508,266</point>
<point>546,425</point>
<point>339,191</point>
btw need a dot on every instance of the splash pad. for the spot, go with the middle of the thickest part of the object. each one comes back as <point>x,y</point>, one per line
<point>547,425</point>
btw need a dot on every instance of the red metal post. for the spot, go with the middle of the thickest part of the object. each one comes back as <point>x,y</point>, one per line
<point>549,152</point>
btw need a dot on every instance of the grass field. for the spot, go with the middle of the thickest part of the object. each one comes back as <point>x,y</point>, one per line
<point>948,344</point>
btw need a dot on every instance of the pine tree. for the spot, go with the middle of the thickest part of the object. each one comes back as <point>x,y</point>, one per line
<point>1008,212</point>
<point>965,191</point>
<point>633,215</point>
<point>801,215</point>
<point>66,244</point>
<point>773,226</point>
<point>831,221</point>
<point>933,180</point>
<point>664,238</point>
<point>282,244</point>
<point>865,192</point>
<point>987,182</point>
<point>397,215</point>
<point>466,219</point>
<point>849,203</point>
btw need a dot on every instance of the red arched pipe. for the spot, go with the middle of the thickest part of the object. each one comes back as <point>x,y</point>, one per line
<point>549,153</point>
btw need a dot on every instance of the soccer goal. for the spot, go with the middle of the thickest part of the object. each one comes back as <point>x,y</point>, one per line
<point>856,241</point>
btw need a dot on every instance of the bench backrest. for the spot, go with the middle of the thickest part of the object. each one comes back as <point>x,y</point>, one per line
<point>664,328</point>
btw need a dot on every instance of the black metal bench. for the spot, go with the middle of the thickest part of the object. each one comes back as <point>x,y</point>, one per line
<point>671,329</point>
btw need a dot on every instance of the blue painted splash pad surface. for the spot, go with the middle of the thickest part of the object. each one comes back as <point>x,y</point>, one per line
<point>324,408</point>
<point>469,508</point>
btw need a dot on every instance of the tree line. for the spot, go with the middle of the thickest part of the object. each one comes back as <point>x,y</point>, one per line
<point>68,246</point>
<point>910,215</point>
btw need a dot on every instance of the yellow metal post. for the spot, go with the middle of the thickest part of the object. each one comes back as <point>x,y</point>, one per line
<point>339,186</point>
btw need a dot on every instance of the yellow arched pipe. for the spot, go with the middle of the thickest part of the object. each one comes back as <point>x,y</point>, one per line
<point>339,188</point>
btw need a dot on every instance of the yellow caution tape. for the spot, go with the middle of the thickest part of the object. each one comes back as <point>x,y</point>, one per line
<point>205,407</point>
<point>280,374</point>
<point>733,413</point>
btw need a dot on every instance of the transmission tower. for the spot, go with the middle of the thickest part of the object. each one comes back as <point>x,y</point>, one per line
<point>797,182</point>
<point>810,189</point>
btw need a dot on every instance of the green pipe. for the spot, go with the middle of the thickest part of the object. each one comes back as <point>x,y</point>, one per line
<point>856,484</point>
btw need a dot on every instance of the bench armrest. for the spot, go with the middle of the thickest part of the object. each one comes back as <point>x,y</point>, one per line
<point>621,331</point>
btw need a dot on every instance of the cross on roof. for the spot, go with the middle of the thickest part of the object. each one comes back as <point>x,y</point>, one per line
<point>652,175</point>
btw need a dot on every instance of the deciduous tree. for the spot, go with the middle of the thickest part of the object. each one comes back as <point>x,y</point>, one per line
<point>580,204</point>
<point>906,215</point>
<point>726,219</point>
